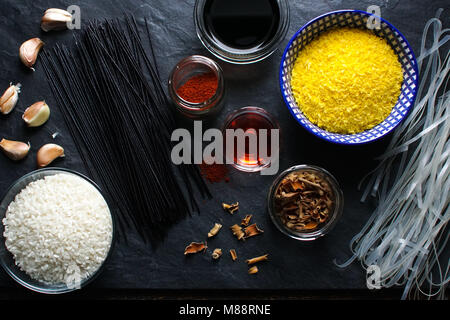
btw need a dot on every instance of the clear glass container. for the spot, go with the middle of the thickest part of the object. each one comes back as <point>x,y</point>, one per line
<point>322,229</point>
<point>250,119</point>
<point>186,69</point>
<point>236,55</point>
<point>7,259</point>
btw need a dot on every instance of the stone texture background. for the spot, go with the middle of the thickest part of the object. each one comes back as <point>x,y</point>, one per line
<point>293,265</point>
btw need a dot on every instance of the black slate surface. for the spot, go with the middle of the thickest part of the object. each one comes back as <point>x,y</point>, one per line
<point>136,265</point>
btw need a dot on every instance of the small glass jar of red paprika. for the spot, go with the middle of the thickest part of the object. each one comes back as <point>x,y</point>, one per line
<point>197,87</point>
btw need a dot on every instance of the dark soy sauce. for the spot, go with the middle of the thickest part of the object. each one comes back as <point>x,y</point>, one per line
<point>242,24</point>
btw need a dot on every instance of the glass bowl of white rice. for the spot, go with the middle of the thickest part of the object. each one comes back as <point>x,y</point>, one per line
<point>57,231</point>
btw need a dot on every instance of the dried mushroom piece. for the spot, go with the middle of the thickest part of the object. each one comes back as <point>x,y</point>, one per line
<point>245,222</point>
<point>311,225</point>
<point>233,254</point>
<point>237,231</point>
<point>217,253</point>
<point>304,200</point>
<point>195,247</point>
<point>214,230</point>
<point>252,230</point>
<point>257,259</point>
<point>253,270</point>
<point>231,208</point>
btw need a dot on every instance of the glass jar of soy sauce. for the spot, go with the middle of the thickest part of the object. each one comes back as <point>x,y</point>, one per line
<point>241,31</point>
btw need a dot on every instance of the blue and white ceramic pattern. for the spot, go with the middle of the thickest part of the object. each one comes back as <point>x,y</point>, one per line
<point>357,19</point>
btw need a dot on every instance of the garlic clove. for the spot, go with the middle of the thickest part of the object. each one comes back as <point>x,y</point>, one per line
<point>55,19</point>
<point>48,153</point>
<point>15,150</point>
<point>36,114</point>
<point>9,98</point>
<point>29,50</point>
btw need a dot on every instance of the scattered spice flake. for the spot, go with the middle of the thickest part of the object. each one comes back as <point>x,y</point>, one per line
<point>195,247</point>
<point>233,254</point>
<point>217,253</point>
<point>237,231</point>
<point>257,259</point>
<point>253,270</point>
<point>214,230</point>
<point>231,208</point>
<point>246,220</point>
<point>252,230</point>
<point>214,172</point>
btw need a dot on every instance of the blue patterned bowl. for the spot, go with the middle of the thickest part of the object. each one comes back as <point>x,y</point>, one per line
<point>355,19</point>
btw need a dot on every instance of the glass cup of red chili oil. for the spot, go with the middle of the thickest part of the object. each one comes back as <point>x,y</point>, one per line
<point>196,86</point>
<point>251,120</point>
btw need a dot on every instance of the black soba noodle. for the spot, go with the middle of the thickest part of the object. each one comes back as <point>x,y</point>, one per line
<point>115,108</point>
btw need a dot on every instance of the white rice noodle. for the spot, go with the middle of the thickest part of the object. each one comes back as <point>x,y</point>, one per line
<point>407,232</point>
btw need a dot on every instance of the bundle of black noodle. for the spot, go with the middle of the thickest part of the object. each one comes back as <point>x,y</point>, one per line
<point>110,95</point>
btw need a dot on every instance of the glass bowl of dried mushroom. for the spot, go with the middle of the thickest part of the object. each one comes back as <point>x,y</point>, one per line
<point>305,202</point>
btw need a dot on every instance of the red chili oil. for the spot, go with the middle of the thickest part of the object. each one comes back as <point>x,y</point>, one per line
<point>251,121</point>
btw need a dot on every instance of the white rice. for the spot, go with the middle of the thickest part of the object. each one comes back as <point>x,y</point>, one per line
<point>59,229</point>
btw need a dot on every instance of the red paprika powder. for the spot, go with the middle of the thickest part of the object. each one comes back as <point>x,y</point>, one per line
<point>199,88</point>
<point>214,172</point>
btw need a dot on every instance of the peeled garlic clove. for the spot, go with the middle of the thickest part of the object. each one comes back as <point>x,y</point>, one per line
<point>48,153</point>
<point>15,150</point>
<point>55,19</point>
<point>36,114</point>
<point>9,99</point>
<point>29,50</point>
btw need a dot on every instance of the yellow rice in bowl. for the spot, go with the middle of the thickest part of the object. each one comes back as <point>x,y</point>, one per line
<point>347,80</point>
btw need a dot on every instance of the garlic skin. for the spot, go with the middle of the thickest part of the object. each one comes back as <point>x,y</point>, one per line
<point>9,98</point>
<point>48,153</point>
<point>29,50</point>
<point>36,114</point>
<point>15,150</point>
<point>55,19</point>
